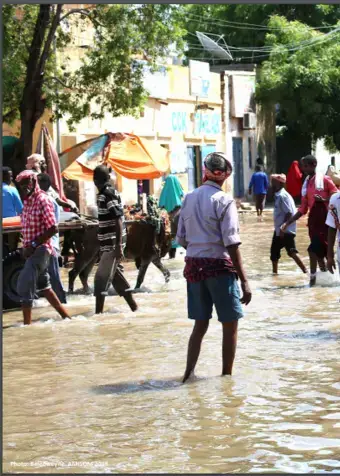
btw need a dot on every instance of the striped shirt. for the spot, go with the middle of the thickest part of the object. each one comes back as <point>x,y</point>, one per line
<point>110,208</point>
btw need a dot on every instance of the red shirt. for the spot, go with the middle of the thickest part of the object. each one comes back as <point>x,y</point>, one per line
<point>37,217</point>
<point>307,201</point>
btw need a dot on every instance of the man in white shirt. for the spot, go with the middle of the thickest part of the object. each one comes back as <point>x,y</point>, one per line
<point>284,208</point>
<point>333,222</point>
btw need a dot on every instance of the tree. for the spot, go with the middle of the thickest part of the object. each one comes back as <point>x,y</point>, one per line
<point>246,25</point>
<point>109,76</point>
<point>305,82</point>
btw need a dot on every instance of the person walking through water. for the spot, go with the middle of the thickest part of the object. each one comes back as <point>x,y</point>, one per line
<point>284,209</point>
<point>112,240</point>
<point>333,222</point>
<point>294,181</point>
<point>209,230</point>
<point>316,193</point>
<point>44,181</point>
<point>259,184</point>
<point>171,199</point>
<point>38,226</point>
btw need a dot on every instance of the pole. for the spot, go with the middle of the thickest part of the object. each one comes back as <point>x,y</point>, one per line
<point>227,131</point>
<point>56,107</point>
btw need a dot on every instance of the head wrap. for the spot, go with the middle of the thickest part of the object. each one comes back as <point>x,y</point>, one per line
<point>217,167</point>
<point>279,177</point>
<point>34,161</point>
<point>32,176</point>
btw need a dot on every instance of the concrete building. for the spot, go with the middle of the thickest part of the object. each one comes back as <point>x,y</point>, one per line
<point>183,113</point>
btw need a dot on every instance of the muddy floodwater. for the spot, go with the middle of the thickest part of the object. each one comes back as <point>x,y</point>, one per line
<point>103,394</point>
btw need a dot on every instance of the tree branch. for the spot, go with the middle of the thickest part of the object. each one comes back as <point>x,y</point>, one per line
<point>58,80</point>
<point>54,78</point>
<point>50,37</point>
<point>37,41</point>
<point>8,115</point>
<point>81,11</point>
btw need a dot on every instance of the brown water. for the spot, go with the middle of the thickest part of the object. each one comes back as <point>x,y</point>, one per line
<point>103,393</point>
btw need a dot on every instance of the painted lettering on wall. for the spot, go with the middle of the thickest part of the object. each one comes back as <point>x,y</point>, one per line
<point>205,123</point>
<point>179,121</point>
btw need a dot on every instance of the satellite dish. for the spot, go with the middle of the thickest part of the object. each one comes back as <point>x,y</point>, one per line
<point>213,47</point>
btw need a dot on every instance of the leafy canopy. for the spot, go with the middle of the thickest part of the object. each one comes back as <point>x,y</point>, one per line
<point>108,78</point>
<point>246,25</point>
<point>304,82</point>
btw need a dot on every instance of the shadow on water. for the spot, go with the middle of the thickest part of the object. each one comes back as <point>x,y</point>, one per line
<point>142,386</point>
<point>312,335</point>
<point>279,288</point>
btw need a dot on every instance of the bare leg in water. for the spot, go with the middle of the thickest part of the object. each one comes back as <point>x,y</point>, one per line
<point>313,264</point>
<point>322,264</point>
<point>194,347</point>
<point>229,346</point>
<point>298,261</point>
<point>275,265</point>
<point>52,298</point>
<point>100,301</point>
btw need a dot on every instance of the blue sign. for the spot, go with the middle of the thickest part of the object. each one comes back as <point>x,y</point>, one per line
<point>179,121</point>
<point>207,123</point>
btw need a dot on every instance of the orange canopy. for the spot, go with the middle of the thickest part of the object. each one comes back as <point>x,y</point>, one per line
<point>129,155</point>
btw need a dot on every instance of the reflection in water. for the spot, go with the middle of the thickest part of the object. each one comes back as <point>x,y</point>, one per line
<point>105,390</point>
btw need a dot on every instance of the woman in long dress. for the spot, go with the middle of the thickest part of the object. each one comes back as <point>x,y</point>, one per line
<point>294,180</point>
<point>171,199</point>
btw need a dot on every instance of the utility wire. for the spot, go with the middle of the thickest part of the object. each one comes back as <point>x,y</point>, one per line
<point>254,57</point>
<point>247,26</point>
<point>293,47</point>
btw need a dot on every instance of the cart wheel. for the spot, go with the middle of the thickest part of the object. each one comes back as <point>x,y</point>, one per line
<point>11,271</point>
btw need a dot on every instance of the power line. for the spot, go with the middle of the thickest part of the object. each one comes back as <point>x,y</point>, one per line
<point>248,26</point>
<point>255,57</point>
<point>292,47</point>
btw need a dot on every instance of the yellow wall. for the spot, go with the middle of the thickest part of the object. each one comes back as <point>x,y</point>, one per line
<point>160,123</point>
<point>179,85</point>
<point>14,129</point>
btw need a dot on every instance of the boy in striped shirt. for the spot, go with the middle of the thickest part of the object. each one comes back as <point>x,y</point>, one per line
<point>112,240</point>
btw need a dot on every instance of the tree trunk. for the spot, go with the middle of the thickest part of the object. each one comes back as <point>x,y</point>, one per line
<point>33,104</point>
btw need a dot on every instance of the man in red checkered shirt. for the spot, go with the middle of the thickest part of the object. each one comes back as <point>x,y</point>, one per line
<point>38,226</point>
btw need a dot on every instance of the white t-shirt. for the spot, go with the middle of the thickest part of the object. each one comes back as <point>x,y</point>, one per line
<point>333,217</point>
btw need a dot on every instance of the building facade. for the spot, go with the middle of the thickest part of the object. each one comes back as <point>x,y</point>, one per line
<point>183,114</point>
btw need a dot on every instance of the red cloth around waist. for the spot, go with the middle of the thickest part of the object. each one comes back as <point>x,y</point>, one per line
<point>317,221</point>
<point>198,269</point>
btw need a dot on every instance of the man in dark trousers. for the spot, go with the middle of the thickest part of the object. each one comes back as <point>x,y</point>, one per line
<point>39,225</point>
<point>112,239</point>
<point>259,183</point>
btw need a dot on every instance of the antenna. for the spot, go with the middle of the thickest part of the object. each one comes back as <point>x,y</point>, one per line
<point>213,47</point>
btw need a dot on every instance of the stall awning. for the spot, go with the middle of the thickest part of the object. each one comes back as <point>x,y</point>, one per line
<point>129,155</point>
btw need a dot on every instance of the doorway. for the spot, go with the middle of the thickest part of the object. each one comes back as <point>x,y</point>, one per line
<point>238,167</point>
<point>192,175</point>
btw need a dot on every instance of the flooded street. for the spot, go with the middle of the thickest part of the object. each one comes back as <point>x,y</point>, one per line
<point>103,393</point>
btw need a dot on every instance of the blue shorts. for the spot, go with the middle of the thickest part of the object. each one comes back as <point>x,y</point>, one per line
<point>222,292</point>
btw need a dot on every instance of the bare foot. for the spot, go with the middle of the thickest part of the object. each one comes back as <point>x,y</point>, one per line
<point>131,302</point>
<point>189,376</point>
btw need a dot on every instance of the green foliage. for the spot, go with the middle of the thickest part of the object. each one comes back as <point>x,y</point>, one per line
<point>231,20</point>
<point>305,82</point>
<point>108,79</point>
<point>17,37</point>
